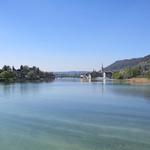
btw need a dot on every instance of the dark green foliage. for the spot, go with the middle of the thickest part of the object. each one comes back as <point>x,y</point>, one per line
<point>147,75</point>
<point>6,76</point>
<point>128,73</point>
<point>130,68</point>
<point>131,72</point>
<point>117,75</point>
<point>32,75</point>
<point>6,68</point>
<point>25,73</point>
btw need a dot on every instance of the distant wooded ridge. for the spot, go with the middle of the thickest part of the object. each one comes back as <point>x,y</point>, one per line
<point>24,73</point>
<point>122,64</point>
<point>129,68</point>
<point>69,74</point>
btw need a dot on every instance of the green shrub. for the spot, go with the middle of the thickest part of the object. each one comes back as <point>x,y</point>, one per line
<point>6,76</point>
<point>117,75</point>
<point>148,74</point>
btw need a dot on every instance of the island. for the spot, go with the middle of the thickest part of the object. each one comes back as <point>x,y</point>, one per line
<point>23,74</point>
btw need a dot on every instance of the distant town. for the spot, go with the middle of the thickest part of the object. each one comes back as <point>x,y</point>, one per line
<point>138,68</point>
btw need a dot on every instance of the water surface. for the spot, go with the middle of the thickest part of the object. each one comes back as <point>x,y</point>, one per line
<point>72,115</point>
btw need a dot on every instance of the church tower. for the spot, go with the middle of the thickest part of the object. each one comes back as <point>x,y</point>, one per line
<point>102,68</point>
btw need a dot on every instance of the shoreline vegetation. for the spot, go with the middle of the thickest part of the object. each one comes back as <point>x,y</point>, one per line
<point>134,75</point>
<point>129,73</point>
<point>134,71</point>
<point>24,74</point>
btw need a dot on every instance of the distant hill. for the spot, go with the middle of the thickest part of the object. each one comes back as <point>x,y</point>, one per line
<point>122,64</point>
<point>73,74</point>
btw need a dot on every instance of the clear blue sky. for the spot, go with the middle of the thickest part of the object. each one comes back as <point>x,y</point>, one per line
<point>73,34</point>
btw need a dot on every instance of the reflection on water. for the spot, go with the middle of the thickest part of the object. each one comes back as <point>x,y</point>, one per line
<point>24,88</point>
<point>99,87</point>
<point>123,89</point>
<point>134,90</point>
<point>73,115</point>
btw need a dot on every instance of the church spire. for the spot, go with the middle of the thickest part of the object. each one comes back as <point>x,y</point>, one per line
<point>102,68</point>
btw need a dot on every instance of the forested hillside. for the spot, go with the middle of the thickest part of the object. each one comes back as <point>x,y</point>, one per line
<point>129,68</point>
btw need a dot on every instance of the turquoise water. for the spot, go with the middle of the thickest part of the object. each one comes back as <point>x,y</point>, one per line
<point>71,115</point>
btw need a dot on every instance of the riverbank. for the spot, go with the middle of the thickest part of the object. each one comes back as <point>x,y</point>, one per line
<point>138,81</point>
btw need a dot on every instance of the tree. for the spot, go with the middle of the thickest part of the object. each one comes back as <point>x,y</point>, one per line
<point>6,68</point>
<point>6,76</point>
<point>25,73</point>
<point>117,75</point>
<point>148,74</point>
<point>32,75</point>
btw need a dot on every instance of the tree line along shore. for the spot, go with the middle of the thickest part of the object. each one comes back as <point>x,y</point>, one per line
<point>137,69</point>
<point>24,73</point>
<point>132,72</point>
